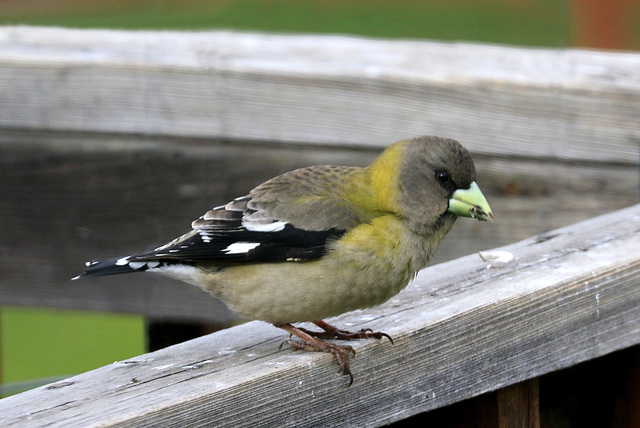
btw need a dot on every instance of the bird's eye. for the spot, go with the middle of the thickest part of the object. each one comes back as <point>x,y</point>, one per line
<point>443,177</point>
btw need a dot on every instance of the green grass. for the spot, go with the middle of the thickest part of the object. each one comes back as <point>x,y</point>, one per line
<point>43,343</point>
<point>534,23</point>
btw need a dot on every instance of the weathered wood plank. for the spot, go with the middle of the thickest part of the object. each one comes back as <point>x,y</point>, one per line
<point>68,198</point>
<point>322,89</point>
<point>461,328</point>
<point>519,405</point>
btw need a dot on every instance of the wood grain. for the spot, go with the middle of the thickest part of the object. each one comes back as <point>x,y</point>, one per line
<point>543,103</point>
<point>461,328</point>
<point>519,405</point>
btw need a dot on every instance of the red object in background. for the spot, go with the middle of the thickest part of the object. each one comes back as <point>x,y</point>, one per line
<point>603,24</point>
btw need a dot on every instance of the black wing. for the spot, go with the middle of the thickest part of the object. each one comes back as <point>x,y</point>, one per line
<point>233,233</point>
<point>237,232</point>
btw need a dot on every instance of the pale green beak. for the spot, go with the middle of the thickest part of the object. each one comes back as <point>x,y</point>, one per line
<point>470,203</point>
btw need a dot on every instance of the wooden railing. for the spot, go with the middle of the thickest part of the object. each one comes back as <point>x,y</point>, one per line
<point>134,134</point>
<point>462,328</point>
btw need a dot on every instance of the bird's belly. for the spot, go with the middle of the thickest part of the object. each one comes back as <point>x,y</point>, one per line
<point>303,291</point>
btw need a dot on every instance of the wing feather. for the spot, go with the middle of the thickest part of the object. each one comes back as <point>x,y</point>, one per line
<point>292,217</point>
<point>237,233</point>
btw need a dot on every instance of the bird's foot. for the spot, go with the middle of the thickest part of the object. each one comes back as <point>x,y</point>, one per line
<point>341,353</point>
<point>312,341</point>
<point>331,332</point>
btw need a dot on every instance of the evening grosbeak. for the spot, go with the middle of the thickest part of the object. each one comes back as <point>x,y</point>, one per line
<point>323,240</point>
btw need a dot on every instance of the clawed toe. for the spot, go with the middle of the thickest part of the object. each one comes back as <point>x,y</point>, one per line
<point>370,334</point>
<point>312,341</point>
<point>331,332</point>
<point>341,353</point>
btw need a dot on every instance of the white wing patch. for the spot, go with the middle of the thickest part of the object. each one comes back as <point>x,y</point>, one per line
<point>123,261</point>
<point>206,238</point>
<point>275,226</point>
<point>137,265</point>
<point>240,247</point>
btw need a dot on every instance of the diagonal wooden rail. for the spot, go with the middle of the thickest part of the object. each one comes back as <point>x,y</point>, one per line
<point>461,328</point>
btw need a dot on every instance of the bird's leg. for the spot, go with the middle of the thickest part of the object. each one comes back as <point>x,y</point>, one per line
<point>342,353</point>
<point>331,332</point>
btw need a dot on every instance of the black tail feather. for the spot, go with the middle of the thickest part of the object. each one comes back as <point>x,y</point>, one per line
<point>112,266</point>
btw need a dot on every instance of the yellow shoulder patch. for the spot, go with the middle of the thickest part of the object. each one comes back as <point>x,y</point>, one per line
<point>383,175</point>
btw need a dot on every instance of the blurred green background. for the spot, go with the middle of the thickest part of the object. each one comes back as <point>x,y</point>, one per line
<point>33,348</point>
<point>27,351</point>
<point>553,23</point>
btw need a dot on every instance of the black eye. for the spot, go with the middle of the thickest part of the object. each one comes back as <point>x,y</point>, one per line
<point>443,177</point>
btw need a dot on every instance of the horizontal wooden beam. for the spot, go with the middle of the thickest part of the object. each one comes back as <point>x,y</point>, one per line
<point>462,328</point>
<point>498,100</point>
<point>94,196</point>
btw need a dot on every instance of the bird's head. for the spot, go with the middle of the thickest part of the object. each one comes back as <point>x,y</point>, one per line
<point>437,178</point>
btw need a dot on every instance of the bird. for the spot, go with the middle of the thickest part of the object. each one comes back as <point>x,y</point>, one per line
<point>320,241</point>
